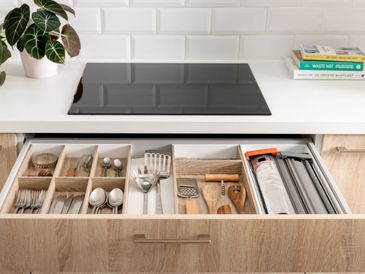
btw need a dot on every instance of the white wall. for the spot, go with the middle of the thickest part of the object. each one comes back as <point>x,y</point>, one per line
<point>211,29</point>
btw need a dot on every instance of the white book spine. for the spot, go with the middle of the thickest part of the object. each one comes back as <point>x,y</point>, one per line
<point>322,75</point>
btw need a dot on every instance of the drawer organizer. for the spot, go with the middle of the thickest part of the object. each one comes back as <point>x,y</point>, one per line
<point>189,161</point>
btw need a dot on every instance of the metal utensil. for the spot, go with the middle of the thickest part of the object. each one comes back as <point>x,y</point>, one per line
<point>97,199</point>
<point>86,162</point>
<point>67,204</point>
<point>115,199</point>
<point>76,205</point>
<point>159,163</point>
<point>60,201</point>
<point>117,165</point>
<point>145,182</point>
<point>107,163</point>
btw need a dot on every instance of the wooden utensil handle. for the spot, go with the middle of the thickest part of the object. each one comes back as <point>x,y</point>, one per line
<point>225,209</point>
<point>191,206</point>
<point>220,177</point>
<point>71,172</point>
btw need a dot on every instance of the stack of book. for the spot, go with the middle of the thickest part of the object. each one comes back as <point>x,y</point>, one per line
<point>325,62</point>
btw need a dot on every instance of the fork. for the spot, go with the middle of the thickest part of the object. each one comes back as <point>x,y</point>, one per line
<point>27,200</point>
<point>19,201</point>
<point>39,202</point>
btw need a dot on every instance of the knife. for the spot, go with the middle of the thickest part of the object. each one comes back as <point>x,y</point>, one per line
<point>60,201</point>
<point>67,204</point>
<point>76,205</point>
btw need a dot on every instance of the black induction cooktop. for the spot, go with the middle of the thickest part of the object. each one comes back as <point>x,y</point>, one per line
<point>168,89</point>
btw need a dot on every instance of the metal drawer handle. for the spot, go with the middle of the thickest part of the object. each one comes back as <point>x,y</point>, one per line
<point>201,239</point>
<point>347,150</point>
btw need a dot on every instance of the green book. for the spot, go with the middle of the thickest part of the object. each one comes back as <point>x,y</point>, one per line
<point>325,65</point>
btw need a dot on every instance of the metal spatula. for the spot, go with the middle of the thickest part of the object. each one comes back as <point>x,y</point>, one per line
<point>159,163</point>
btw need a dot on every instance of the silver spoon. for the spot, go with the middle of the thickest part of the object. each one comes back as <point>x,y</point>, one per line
<point>97,199</point>
<point>107,163</point>
<point>115,199</point>
<point>118,167</point>
<point>87,161</point>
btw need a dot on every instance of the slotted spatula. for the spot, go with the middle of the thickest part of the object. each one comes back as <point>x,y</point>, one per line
<point>159,163</point>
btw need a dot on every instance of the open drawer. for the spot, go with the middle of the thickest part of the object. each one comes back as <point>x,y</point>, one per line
<point>173,242</point>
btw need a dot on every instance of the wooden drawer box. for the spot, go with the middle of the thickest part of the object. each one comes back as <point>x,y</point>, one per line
<point>177,242</point>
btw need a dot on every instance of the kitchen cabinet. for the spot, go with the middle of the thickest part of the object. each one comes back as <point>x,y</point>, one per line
<point>8,155</point>
<point>345,158</point>
<point>176,242</point>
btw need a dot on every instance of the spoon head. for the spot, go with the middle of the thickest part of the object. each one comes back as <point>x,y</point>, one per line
<point>107,162</point>
<point>97,197</point>
<point>88,160</point>
<point>117,164</point>
<point>116,197</point>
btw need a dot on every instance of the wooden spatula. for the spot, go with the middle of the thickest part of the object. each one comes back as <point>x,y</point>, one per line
<point>211,194</point>
<point>237,194</point>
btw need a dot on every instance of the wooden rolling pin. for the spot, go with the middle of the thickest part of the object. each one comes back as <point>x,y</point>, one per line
<point>228,178</point>
<point>237,194</point>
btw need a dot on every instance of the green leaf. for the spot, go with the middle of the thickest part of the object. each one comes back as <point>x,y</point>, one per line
<point>68,9</point>
<point>20,45</point>
<point>55,52</point>
<point>71,40</point>
<point>15,23</point>
<point>35,41</point>
<point>45,20</point>
<point>4,52</point>
<point>2,77</point>
<point>52,6</point>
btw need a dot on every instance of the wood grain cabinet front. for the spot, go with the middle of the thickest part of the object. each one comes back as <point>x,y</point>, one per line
<point>170,242</point>
<point>345,157</point>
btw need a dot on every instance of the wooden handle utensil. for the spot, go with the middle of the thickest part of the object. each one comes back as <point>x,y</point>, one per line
<point>211,194</point>
<point>225,177</point>
<point>191,206</point>
<point>237,194</point>
<point>224,209</point>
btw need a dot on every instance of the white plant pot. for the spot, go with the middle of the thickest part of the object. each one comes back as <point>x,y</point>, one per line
<point>34,68</point>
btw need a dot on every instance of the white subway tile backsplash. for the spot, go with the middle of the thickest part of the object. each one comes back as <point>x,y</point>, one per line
<point>101,3</point>
<point>238,20</point>
<point>87,20</point>
<point>348,20</point>
<point>158,47</point>
<point>184,20</point>
<point>357,41</point>
<point>212,47</point>
<point>294,19</point>
<point>269,3</point>
<point>266,46</point>
<point>8,3</point>
<point>212,3</point>
<point>129,20</point>
<point>157,3</point>
<point>106,46</point>
<point>229,30</point>
<point>319,39</point>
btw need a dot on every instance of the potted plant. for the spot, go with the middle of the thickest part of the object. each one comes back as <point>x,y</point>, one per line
<point>40,36</point>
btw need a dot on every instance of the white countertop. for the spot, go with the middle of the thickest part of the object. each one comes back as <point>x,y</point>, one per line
<point>298,107</point>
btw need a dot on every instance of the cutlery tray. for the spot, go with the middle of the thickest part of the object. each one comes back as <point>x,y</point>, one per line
<point>61,183</point>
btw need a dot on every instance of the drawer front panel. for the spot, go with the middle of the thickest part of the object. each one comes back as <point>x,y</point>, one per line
<point>237,245</point>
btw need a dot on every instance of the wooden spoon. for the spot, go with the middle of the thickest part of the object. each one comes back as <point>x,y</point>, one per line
<point>211,194</point>
<point>237,194</point>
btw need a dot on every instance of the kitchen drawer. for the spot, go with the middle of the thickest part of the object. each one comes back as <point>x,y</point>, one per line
<point>249,242</point>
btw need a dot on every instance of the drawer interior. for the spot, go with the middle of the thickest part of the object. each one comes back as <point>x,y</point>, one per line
<point>195,161</point>
<point>71,178</point>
